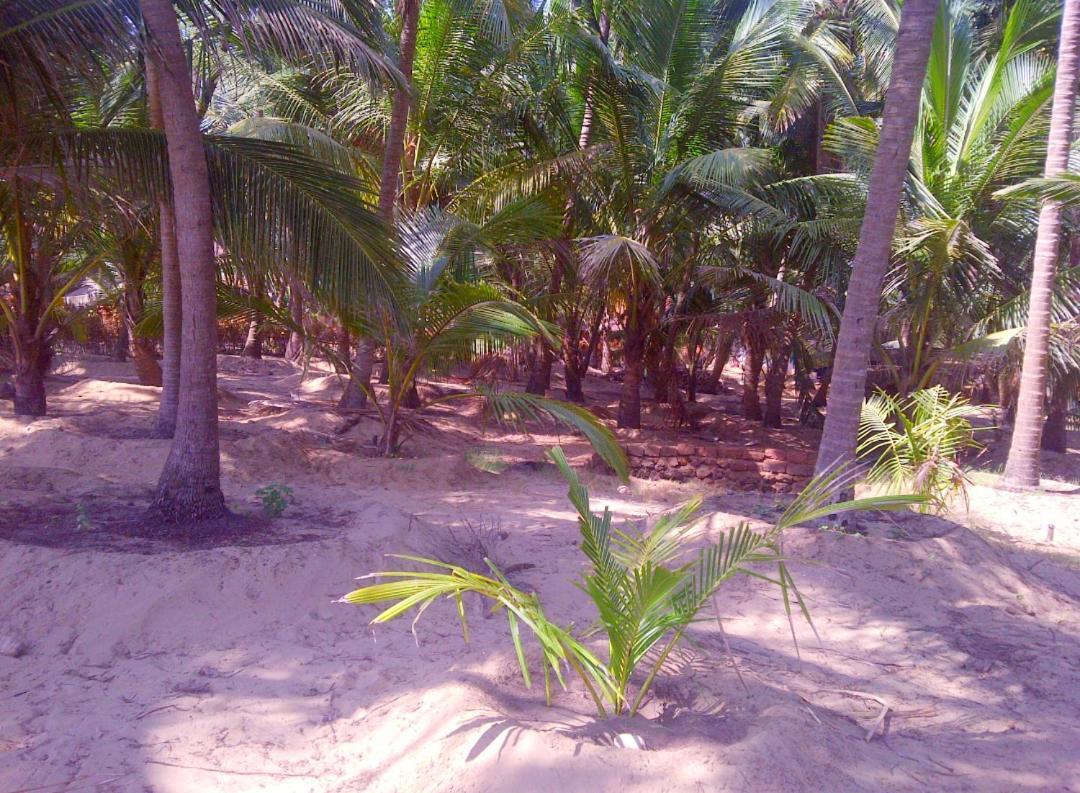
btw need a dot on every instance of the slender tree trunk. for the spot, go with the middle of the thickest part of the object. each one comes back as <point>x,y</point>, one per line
<point>171,320</point>
<point>856,337</point>
<point>253,341</point>
<point>253,344</point>
<point>751,377</point>
<point>655,370</point>
<point>294,347</point>
<point>1055,436</point>
<point>714,381</point>
<point>574,390</point>
<point>142,349</point>
<point>355,397</point>
<point>693,354</point>
<point>31,363</point>
<point>634,363</point>
<point>190,483</point>
<point>1022,466</point>
<point>120,346</point>
<point>411,398</point>
<point>360,372</point>
<point>775,378</point>
<point>399,109</point>
<point>540,362</point>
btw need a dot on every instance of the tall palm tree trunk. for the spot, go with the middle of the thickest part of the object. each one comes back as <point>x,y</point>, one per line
<point>875,237</point>
<point>190,483</point>
<point>170,283</point>
<point>399,109</point>
<point>359,384</point>
<point>1022,466</point>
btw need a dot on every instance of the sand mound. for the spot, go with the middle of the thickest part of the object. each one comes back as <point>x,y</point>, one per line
<point>949,660</point>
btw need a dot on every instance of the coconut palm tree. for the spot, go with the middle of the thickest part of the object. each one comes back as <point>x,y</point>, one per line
<point>1022,467</point>
<point>190,484</point>
<point>960,252</point>
<point>899,118</point>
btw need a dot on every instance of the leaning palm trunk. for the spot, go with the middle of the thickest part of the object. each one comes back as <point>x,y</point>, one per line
<point>875,237</point>
<point>190,484</point>
<point>170,283</point>
<point>1022,467</point>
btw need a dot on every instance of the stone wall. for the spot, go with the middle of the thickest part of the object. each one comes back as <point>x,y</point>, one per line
<point>731,466</point>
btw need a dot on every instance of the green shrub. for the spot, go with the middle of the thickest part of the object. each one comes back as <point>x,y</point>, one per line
<point>916,443</point>
<point>275,499</point>
<point>647,588</point>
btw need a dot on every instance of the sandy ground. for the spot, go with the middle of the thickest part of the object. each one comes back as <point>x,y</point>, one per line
<point>949,657</point>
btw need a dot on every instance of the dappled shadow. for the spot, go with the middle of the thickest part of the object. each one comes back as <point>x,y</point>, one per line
<point>949,660</point>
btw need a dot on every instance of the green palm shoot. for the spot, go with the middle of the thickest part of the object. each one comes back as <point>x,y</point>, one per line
<point>917,442</point>
<point>647,588</point>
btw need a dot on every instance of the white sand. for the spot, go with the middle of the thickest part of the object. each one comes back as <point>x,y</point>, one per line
<point>233,670</point>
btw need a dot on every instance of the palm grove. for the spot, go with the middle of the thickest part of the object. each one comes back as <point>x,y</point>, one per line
<point>879,193</point>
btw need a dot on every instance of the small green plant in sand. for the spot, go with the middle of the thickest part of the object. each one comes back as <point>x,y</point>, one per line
<point>916,443</point>
<point>275,499</point>
<point>647,588</point>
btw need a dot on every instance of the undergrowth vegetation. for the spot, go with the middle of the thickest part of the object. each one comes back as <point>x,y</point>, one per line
<point>646,587</point>
<point>917,444</point>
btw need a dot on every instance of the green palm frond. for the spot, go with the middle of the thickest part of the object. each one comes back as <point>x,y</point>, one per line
<point>915,443</point>
<point>516,408</point>
<point>647,588</point>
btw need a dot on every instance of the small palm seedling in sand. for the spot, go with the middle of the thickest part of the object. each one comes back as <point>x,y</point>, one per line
<point>917,441</point>
<point>647,588</point>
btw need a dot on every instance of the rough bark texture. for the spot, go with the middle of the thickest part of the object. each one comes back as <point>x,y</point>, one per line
<point>775,378</point>
<point>634,362</point>
<point>142,349</point>
<point>399,109</point>
<point>190,485</point>
<point>30,367</point>
<point>1022,466</point>
<point>853,346</point>
<point>171,308</point>
<point>294,347</point>
<point>29,332</point>
<point>540,361</point>
<point>359,385</point>
<point>713,382</point>
<point>754,357</point>
<point>253,347</point>
<point>355,397</point>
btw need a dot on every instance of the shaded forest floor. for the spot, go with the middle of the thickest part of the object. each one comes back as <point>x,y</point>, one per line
<point>952,643</point>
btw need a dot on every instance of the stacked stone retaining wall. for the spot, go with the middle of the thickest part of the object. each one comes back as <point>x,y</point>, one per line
<point>736,467</point>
